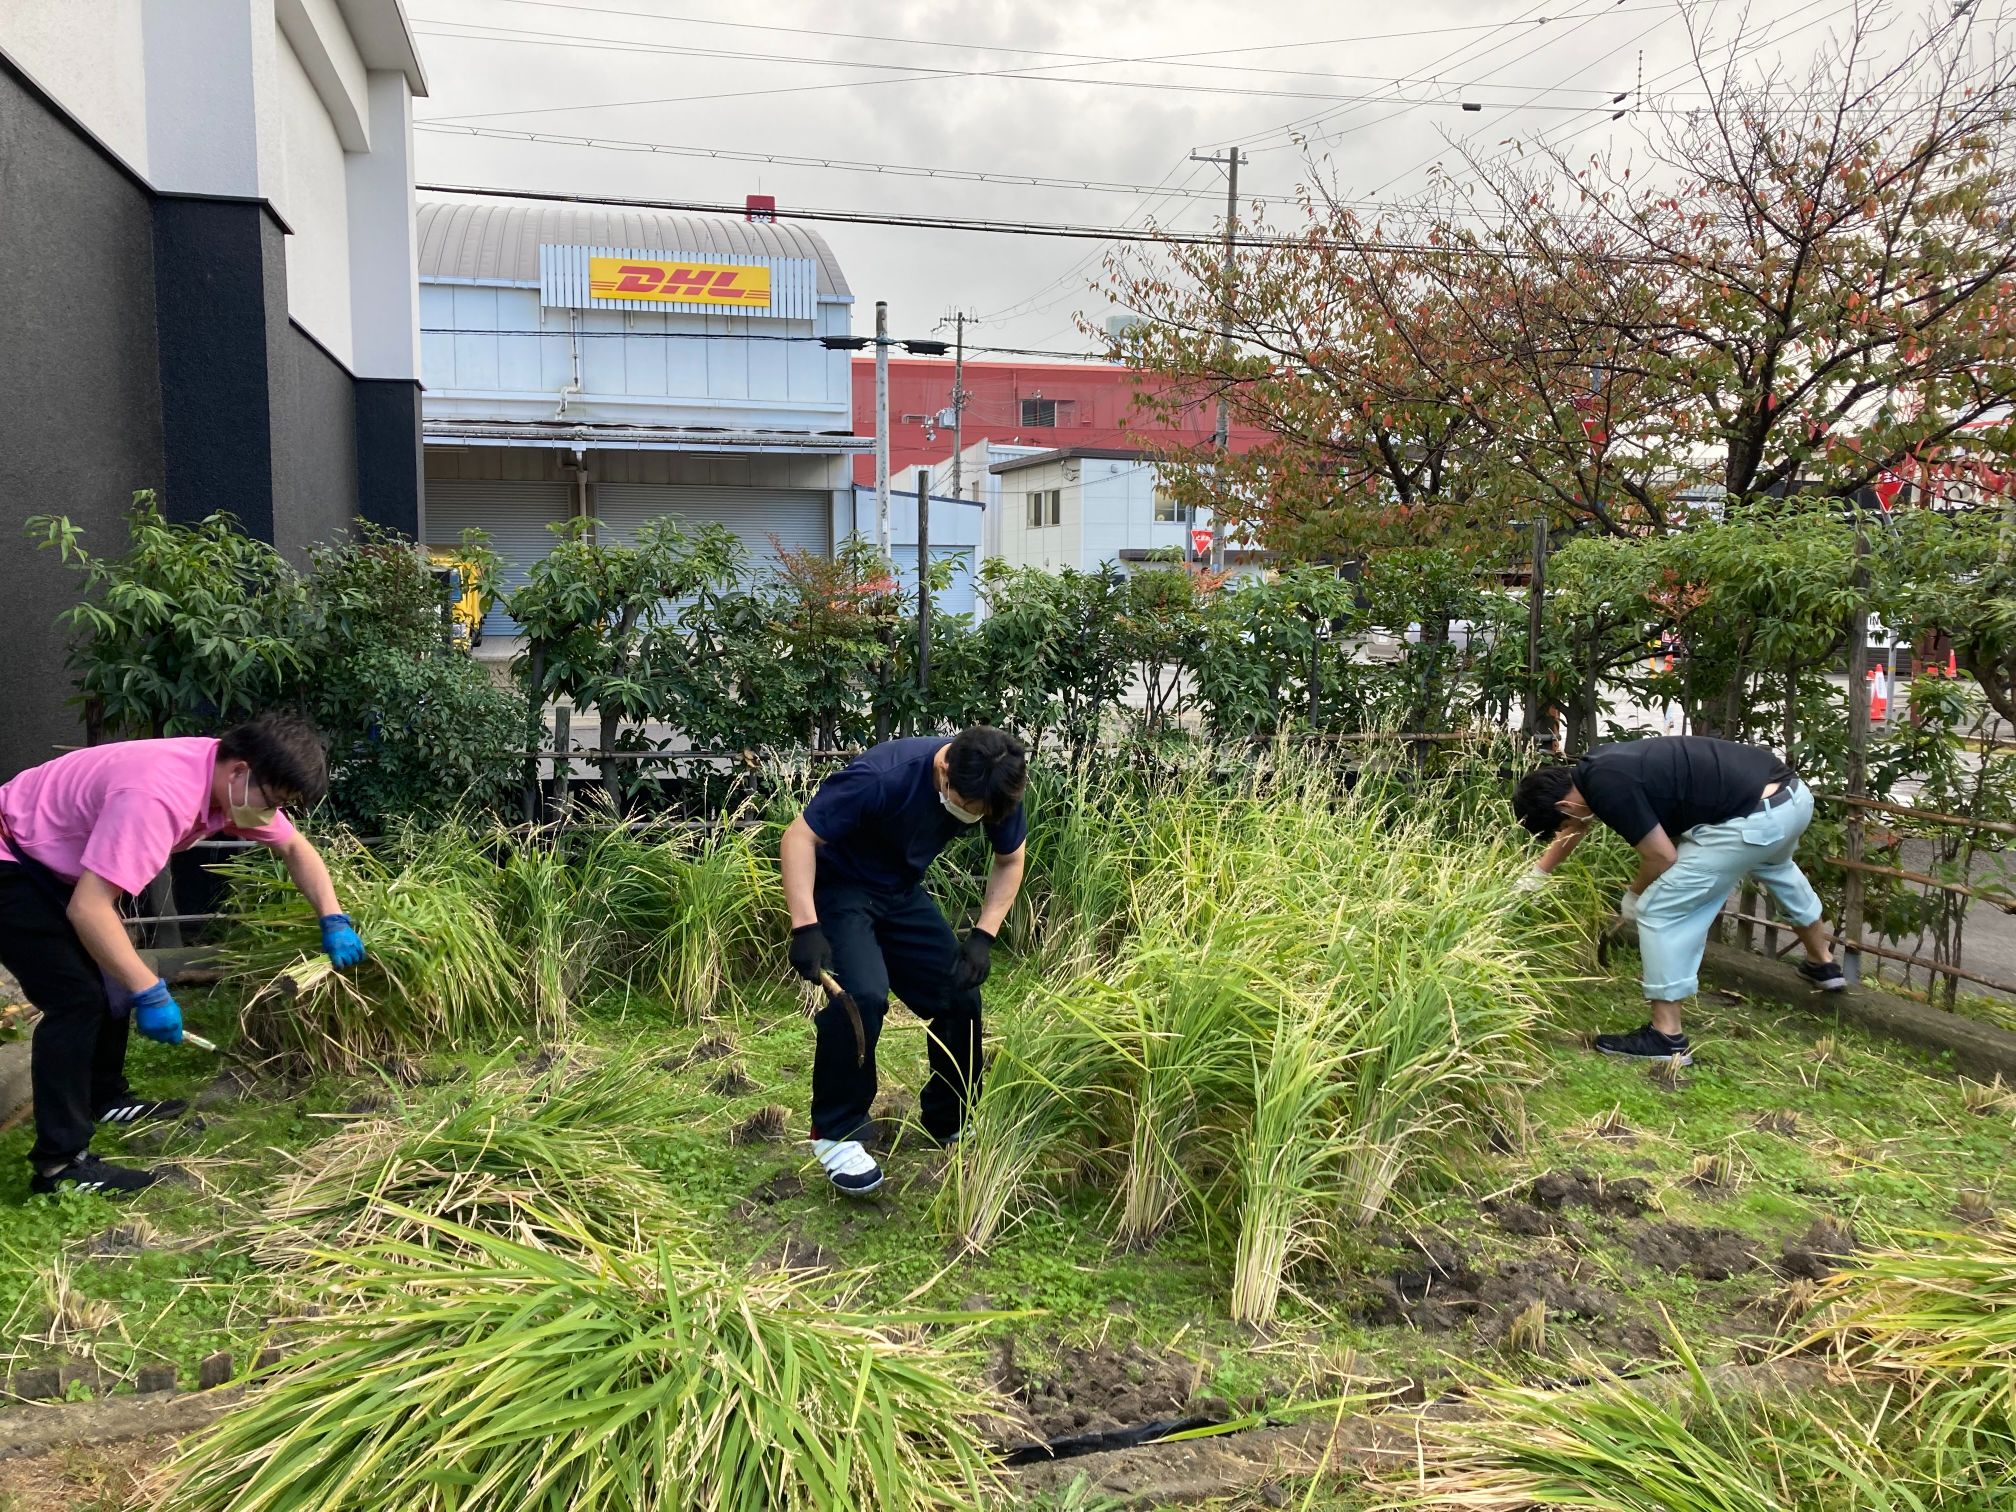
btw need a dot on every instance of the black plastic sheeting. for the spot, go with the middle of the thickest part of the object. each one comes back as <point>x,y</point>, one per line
<point>1073,1445</point>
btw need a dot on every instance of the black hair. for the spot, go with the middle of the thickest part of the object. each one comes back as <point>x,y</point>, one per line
<point>285,754</point>
<point>989,766</point>
<point>1536,801</point>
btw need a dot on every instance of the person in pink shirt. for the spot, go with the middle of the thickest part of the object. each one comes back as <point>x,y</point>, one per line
<point>79,833</point>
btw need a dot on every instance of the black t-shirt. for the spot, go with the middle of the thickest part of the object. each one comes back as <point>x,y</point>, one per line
<point>883,823</point>
<point>1674,782</point>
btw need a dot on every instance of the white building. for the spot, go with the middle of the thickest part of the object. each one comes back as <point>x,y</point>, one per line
<point>1082,507</point>
<point>957,529</point>
<point>207,264</point>
<point>624,366</point>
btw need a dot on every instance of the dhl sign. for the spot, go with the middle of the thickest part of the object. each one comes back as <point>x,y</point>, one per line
<point>655,281</point>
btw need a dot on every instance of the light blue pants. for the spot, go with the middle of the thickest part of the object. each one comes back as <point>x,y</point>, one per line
<point>1679,908</point>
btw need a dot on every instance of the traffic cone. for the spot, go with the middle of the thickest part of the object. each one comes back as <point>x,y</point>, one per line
<point>1952,665</point>
<point>1879,694</point>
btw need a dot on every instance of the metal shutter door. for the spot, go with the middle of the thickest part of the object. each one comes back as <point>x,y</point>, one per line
<point>797,517</point>
<point>516,514</point>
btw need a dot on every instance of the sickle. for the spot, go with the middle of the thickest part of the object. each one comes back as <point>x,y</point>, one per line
<point>838,994</point>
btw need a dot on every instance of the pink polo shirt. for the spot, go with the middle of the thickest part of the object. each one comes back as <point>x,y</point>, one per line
<point>121,810</point>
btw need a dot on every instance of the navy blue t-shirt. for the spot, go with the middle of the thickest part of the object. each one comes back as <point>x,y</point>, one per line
<point>882,822</point>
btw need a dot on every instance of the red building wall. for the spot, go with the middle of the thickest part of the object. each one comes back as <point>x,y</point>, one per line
<point>1095,407</point>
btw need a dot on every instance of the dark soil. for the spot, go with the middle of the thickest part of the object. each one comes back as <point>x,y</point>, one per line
<point>714,1047</point>
<point>785,1186</point>
<point>231,1086</point>
<point>1102,1388</point>
<point>1627,1197</point>
<point>731,1081</point>
<point>1441,1289</point>
<point>1528,1221</point>
<point>769,1125</point>
<point>794,1252</point>
<point>120,1240</point>
<point>1821,1250</point>
<point>1784,1123</point>
<point>1710,1254</point>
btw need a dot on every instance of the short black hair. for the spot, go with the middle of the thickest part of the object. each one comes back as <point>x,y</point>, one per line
<point>1537,799</point>
<point>285,753</point>
<point>990,766</point>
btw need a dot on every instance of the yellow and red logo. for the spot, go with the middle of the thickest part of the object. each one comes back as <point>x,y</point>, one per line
<point>744,284</point>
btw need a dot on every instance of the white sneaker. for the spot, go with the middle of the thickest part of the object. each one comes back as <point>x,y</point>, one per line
<point>850,1168</point>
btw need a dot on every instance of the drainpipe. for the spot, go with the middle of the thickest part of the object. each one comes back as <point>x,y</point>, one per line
<point>574,356</point>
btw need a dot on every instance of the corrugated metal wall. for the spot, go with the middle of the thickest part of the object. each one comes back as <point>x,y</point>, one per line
<point>515,514</point>
<point>796,517</point>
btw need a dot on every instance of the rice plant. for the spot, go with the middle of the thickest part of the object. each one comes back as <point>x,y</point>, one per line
<point>1174,1031</point>
<point>1304,1000</point>
<point>548,909</point>
<point>512,1376</point>
<point>1295,1134</point>
<point>1939,1319</point>
<point>442,970</point>
<point>1677,1443</point>
<point>1034,1104</point>
<point>539,1160</point>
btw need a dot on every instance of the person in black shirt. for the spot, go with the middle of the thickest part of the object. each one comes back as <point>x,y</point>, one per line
<point>853,866</point>
<point>1703,814</point>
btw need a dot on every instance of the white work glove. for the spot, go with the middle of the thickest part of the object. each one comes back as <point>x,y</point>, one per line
<point>1627,906</point>
<point>1532,882</point>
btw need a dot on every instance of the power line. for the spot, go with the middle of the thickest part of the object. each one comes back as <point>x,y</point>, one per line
<point>1064,230</point>
<point>1764,39</point>
<point>1290,129</point>
<point>488,31</point>
<point>845,165</point>
<point>1000,47</point>
<point>1041,73</point>
<point>1498,119</point>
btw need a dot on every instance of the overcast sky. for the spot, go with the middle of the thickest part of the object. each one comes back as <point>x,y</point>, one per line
<point>1379,105</point>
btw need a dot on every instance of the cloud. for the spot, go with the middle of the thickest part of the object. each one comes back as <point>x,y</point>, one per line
<point>1032,124</point>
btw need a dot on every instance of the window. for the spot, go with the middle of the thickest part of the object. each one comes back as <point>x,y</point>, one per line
<point>1046,507</point>
<point>1166,507</point>
<point>1047,413</point>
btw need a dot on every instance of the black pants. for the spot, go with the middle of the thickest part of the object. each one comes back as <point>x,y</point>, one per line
<point>77,1064</point>
<point>884,943</point>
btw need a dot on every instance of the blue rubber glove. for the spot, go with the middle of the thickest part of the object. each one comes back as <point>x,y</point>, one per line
<point>339,939</point>
<point>157,1015</point>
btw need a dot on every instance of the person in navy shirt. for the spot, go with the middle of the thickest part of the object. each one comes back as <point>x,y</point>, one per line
<point>853,866</point>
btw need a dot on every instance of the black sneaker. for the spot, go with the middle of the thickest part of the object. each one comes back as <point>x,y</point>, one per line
<point>1824,975</point>
<point>1646,1043</point>
<point>135,1110</point>
<point>87,1173</point>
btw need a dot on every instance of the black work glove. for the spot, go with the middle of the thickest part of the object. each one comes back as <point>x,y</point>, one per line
<point>811,954</point>
<point>974,961</point>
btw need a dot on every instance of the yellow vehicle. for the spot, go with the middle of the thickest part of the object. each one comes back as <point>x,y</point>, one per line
<point>467,584</point>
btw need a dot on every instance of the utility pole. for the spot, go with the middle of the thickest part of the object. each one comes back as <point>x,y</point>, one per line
<point>1230,162</point>
<point>882,427</point>
<point>923,582</point>
<point>1536,608</point>
<point>958,397</point>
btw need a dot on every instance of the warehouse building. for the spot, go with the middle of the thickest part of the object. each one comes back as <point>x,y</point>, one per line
<point>206,260</point>
<point>624,366</point>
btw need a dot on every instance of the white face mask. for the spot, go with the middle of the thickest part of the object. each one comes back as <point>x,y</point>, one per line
<point>243,815</point>
<point>957,812</point>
